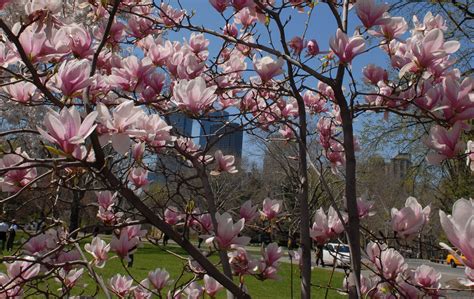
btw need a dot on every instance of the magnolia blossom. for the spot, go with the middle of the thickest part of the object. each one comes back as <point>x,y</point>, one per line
<point>66,130</point>
<point>365,207</point>
<point>227,232</point>
<point>69,278</point>
<point>374,74</point>
<point>326,227</point>
<point>297,44</point>
<point>99,250</point>
<point>271,254</point>
<point>119,127</point>
<point>346,48</point>
<point>459,228</point>
<point>271,208</point>
<point>409,221</point>
<point>120,285</point>
<point>248,212</point>
<point>427,277</point>
<point>124,245</point>
<point>14,180</point>
<point>172,215</point>
<point>159,278</point>
<point>211,286</point>
<point>193,96</point>
<point>390,263</point>
<point>220,5</point>
<point>267,68</point>
<point>73,76</point>
<point>139,177</point>
<point>241,262</point>
<point>22,92</point>
<point>23,270</point>
<point>225,163</point>
<point>371,14</point>
<point>312,48</point>
<point>445,143</point>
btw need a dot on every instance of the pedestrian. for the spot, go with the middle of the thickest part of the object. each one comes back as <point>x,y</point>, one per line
<point>3,233</point>
<point>11,234</point>
<point>165,239</point>
<point>319,255</point>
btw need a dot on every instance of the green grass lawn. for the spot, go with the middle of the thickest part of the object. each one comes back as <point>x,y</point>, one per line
<point>150,257</point>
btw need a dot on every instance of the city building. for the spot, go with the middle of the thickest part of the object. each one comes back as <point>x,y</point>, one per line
<point>228,138</point>
<point>214,118</point>
<point>182,123</point>
<point>399,166</point>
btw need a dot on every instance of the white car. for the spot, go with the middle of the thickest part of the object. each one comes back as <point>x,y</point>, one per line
<point>338,254</point>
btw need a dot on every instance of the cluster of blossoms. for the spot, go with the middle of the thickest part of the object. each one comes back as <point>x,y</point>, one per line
<point>109,109</point>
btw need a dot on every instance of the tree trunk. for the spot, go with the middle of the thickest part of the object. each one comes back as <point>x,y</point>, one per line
<point>75,216</point>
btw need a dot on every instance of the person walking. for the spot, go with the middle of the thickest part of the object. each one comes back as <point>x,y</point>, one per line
<point>11,235</point>
<point>319,255</point>
<point>3,233</point>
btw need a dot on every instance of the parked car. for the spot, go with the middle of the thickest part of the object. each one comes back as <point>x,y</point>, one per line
<point>452,260</point>
<point>338,254</point>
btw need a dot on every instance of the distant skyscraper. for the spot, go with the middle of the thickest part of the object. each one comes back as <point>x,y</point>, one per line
<point>399,166</point>
<point>227,138</point>
<point>215,118</point>
<point>182,123</point>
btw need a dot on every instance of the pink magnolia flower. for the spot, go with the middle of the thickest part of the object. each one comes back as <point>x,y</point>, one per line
<point>248,212</point>
<point>297,44</point>
<point>36,245</point>
<point>427,277</point>
<point>141,291</point>
<point>106,199</point>
<point>469,280</point>
<point>138,149</point>
<point>459,228</point>
<point>271,254</point>
<point>23,270</point>
<point>119,126</point>
<point>80,41</point>
<point>99,250</point>
<point>326,227</point>
<point>457,104</point>
<point>371,14</point>
<point>225,163</point>
<point>123,246</point>
<point>445,143</point>
<point>194,290</point>
<point>271,208</point>
<point>220,5</point>
<point>73,76</point>
<point>374,74</point>
<point>346,48</point>
<point>227,232</point>
<point>22,92</point>
<point>391,29</point>
<point>170,16</point>
<point>33,43</point>
<point>211,286</point>
<point>312,48</point>
<point>138,177</point>
<point>365,207</point>
<point>409,221</point>
<point>65,128</point>
<point>267,68</point>
<point>241,262</point>
<point>390,263</point>
<point>193,96</point>
<point>240,4</point>
<point>246,17</point>
<point>15,179</point>
<point>156,131</point>
<point>172,215</point>
<point>132,74</point>
<point>314,102</point>
<point>69,278</point>
<point>159,278</point>
<point>121,285</point>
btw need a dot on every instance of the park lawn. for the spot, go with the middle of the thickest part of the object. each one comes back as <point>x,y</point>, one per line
<point>150,257</point>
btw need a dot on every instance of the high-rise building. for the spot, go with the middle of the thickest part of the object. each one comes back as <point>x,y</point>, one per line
<point>399,166</point>
<point>182,123</point>
<point>214,118</point>
<point>228,138</point>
